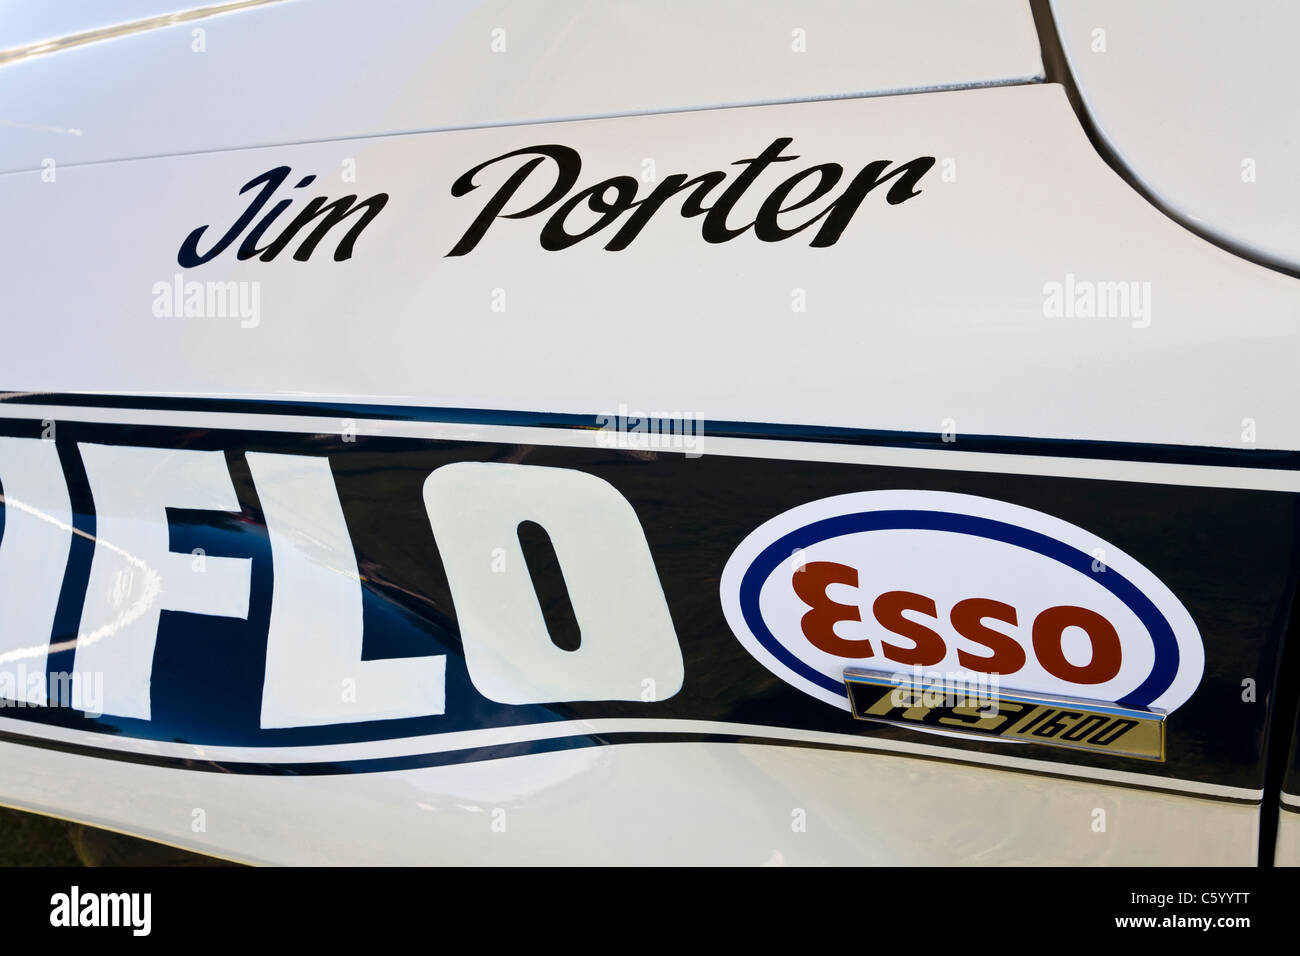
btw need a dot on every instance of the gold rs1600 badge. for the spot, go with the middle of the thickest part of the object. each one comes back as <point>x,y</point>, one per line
<point>1097,726</point>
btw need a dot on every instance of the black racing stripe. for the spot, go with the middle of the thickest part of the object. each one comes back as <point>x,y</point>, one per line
<point>825,434</point>
<point>555,744</point>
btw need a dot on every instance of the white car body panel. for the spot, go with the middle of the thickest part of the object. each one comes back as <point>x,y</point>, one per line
<point>1023,172</point>
<point>927,316</point>
<point>1200,103</point>
<point>290,72</point>
<point>709,804</point>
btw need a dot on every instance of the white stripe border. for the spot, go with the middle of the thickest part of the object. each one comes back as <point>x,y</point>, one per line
<point>528,733</point>
<point>1165,473</point>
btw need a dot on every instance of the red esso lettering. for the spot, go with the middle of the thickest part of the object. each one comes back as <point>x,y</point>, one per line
<point>923,646</point>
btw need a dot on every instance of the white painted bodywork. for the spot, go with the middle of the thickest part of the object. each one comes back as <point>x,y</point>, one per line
<point>927,312</point>
<point>909,317</point>
<point>1200,101</point>
<point>696,803</point>
<point>304,70</point>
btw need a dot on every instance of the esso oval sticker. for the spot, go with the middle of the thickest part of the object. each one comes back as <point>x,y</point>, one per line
<point>950,583</point>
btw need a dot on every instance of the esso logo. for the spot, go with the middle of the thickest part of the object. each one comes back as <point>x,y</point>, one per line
<point>900,580</point>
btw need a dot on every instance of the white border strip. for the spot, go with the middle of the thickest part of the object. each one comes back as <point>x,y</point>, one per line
<point>497,736</point>
<point>1163,473</point>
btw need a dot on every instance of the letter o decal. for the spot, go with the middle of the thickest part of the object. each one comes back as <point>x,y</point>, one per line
<point>1106,652</point>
